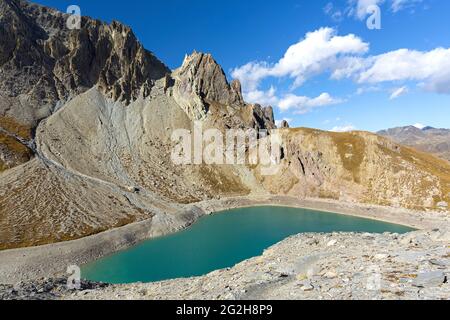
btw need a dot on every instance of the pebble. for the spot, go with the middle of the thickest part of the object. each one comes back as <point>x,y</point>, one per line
<point>308,287</point>
<point>331,243</point>
<point>331,275</point>
<point>381,256</point>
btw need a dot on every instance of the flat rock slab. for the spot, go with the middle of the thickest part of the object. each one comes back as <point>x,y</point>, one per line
<point>430,279</point>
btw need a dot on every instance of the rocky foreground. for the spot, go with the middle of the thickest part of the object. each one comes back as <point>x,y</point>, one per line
<point>308,266</point>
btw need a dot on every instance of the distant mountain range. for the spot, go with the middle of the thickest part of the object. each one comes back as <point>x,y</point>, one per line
<point>428,139</point>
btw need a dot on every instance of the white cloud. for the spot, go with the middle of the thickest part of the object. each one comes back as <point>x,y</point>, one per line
<point>302,104</point>
<point>398,92</point>
<point>432,68</point>
<point>346,128</point>
<point>419,126</point>
<point>343,57</point>
<point>290,102</point>
<point>318,52</point>
<point>398,5</point>
<point>251,74</point>
<point>266,98</point>
<point>348,66</point>
<point>429,69</point>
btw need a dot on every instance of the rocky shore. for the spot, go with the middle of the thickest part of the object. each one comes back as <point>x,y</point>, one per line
<point>309,266</point>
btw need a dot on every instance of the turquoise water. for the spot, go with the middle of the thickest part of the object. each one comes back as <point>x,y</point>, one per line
<point>221,241</point>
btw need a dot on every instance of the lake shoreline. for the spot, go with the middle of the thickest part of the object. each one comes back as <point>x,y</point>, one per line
<point>52,260</point>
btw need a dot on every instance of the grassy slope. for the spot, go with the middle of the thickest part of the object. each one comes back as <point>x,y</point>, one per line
<point>395,158</point>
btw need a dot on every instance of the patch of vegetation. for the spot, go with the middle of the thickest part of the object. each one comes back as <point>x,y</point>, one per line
<point>351,148</point>
<point>16,128</point>
<point>222,183</point>
<point>18,151</point>
<point>425,162</point>
<point>327,194</point>
<point>436,166</point>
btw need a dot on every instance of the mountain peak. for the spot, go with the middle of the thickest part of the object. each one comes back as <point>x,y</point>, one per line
<point>210,79</point>
<point>425,138</point>
<point>201,81</point>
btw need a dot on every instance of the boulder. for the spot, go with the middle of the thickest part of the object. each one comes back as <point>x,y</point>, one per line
<point>284,125</point>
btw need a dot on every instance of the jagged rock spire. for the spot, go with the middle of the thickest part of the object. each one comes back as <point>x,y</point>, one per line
<point>201,81</point>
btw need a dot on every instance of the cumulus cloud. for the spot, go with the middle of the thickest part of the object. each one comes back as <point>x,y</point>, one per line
<point>266,98</point>
<point>432,68</point>
<point>348,66</point>
<point>318,52</point>
<point>429,69</point>
<point>343,57</point>
<point>302,104</point>
<point>291,102</point>
<point>396,93</point>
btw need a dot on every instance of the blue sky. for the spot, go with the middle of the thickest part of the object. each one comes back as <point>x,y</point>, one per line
<point>316,62</point>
